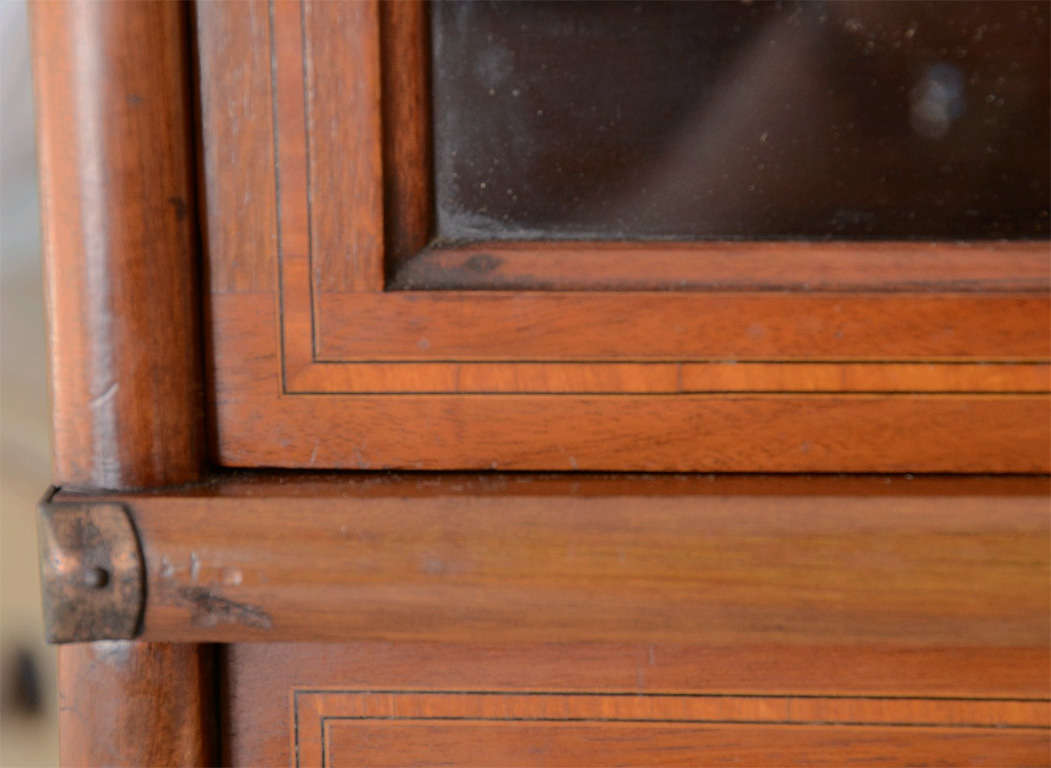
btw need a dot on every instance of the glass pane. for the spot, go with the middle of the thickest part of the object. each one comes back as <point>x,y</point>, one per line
<point>646,120</point>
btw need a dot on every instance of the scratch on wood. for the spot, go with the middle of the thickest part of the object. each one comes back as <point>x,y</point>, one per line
<point>103,400</point>
<point>211,608</point>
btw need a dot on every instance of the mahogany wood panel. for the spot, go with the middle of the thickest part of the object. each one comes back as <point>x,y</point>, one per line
<point>237,156</point>
<point>616,704</point>
<point>340,93</point>
<point>890,342</point>
<point>136,704</point>
<point>259,424</point>
<point>670,377</point>
<point>602,744</point>
<point>801,266</point>
<point>600,326</point>
<point>490,728</point>
<point>117,203</point>
<point>427,557</point>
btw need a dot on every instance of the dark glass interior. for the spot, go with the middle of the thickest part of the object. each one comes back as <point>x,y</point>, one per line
<point>615,120</point>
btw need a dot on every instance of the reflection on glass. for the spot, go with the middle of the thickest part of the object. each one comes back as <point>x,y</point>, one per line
<point>742,120</point>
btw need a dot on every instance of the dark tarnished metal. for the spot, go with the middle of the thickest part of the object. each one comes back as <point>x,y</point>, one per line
<point>91,571</point>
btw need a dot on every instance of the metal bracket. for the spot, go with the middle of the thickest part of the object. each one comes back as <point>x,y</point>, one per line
<point>91,571</point>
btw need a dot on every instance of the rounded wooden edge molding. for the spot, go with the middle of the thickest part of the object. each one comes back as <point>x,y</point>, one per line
<point>113,99</point>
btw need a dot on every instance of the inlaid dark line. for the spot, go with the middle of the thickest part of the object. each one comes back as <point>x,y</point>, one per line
<point>681,721</point>
<point>672,695</point>
<point>646,393</point>
<point>657,695</point>
<point>683,360</point>
<point>304,59</point>
<point>275,138</point>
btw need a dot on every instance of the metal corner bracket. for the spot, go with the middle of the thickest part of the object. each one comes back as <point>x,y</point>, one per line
<point>92,575</point>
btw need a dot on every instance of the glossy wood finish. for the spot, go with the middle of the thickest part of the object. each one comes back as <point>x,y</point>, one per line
<point>237,214</point>
<point>759,561</point>
<point>310,370</point>
<point>136,704</point>
<point>635,704</point>
<point>408,208</point>
<point>120,253</point>
<point>117,199</point>
<point>612,327</point>
<point>892,430</point>
<point>488,409</point>
<point>335,112</point>
<point>395,728</point>
<point>737,266</point>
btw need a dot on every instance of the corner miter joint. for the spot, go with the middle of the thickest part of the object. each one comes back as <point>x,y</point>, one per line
<point>91,571</point>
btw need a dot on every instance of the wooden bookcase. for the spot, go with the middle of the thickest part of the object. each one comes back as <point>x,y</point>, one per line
<point>385,483</point>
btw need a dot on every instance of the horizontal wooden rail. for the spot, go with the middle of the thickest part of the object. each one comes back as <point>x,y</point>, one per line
<point>862,561</point>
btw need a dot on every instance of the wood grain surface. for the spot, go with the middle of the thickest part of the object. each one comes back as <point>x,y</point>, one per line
<point>236,151</point>
<point>703,265</point>
<point>612,326</point>
<point>114,131</point>
<point>614,704</point>
<point>603,744</point>
<point>620,617</point>
<point>339,91</point>
<point>136,704</point>
<point>491,728</point>
<point>848,563</point>
<point>258,423</point>
<point>408,208</point>
<point>118,211</point>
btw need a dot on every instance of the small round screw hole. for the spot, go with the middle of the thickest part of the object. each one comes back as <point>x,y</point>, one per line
<point>96,578</point>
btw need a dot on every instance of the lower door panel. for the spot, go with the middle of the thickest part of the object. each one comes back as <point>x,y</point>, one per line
<point>598,705</point>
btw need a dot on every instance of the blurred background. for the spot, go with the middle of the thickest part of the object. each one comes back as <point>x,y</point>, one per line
<point>28,716</point>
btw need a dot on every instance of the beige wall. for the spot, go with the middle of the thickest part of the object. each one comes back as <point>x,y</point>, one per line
<point>24,445</point>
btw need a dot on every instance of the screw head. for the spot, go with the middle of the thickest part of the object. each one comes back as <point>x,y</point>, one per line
<point>95,578</point>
